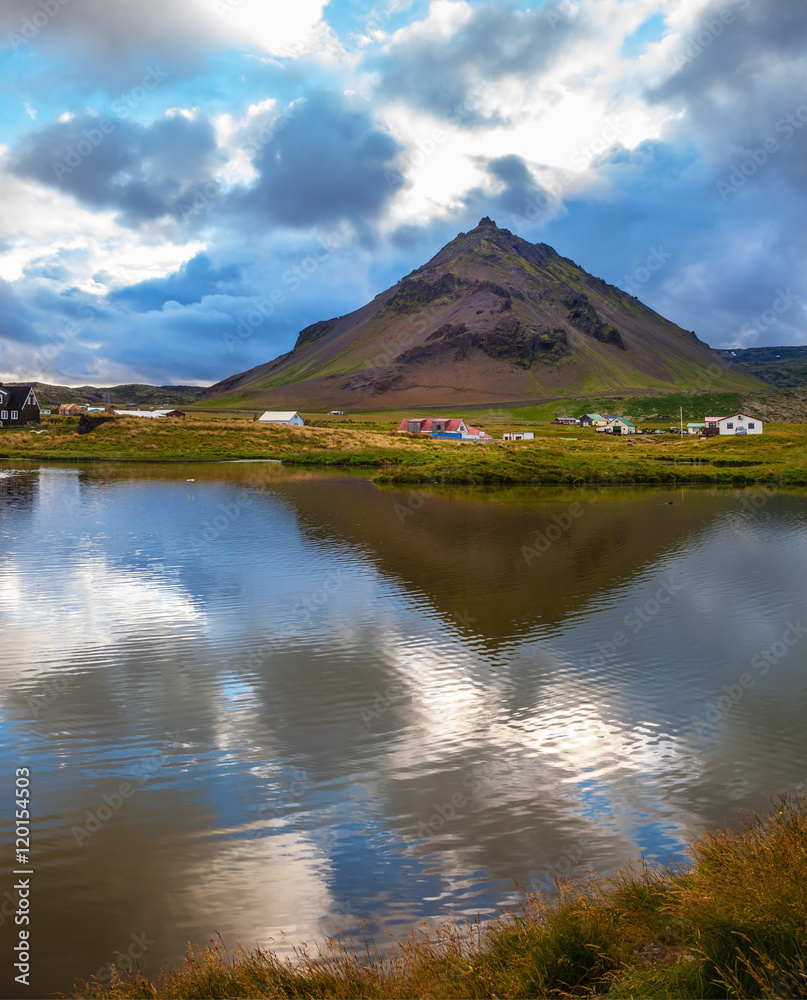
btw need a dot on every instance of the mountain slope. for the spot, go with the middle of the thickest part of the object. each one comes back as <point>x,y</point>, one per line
<point>784,367</point>
<point>134,392</point>
<point>490,318</point>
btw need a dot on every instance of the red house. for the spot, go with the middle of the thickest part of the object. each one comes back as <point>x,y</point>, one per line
<point>445,427</point>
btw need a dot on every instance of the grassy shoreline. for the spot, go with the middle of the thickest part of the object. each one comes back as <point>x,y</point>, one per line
<point>559,456</point>
<point>733,923</point>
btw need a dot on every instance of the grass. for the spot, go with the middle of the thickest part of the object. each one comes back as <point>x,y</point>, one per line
<point>733,923</point>
<point>558,455</point>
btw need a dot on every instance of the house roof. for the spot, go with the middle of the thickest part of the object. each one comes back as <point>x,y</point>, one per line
<point>17,395</point>
<point>278,415</point>
<point>592,416</point>
<point>427,423</point>
<point>623,420</point>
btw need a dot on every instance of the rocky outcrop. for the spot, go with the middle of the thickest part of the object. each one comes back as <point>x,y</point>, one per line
<point>583,317</point>
<point>311,334</point>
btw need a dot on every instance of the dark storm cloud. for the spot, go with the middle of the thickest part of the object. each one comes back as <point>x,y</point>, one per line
<point>111,163</point>
<point>452,76</point>
<point>331,162</point>
<point>743,83</point>
<point>195,278</point>
<point>735,49</point>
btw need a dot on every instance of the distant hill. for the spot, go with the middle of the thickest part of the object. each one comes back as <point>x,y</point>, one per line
<point>143,395</point>
<point>490,318</point>
<point>784,367</point>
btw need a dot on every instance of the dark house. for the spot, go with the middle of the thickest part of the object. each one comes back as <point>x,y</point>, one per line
<point>18,405</point>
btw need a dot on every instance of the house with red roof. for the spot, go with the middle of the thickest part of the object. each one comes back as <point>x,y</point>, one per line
<point>452,428</point>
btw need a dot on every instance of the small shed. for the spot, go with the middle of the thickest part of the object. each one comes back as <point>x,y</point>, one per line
<point>70,410</point>
<point>291,418</point>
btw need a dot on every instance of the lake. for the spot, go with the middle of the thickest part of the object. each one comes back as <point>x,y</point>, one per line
<point>264,702</point>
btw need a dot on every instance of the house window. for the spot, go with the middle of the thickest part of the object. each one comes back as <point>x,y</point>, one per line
<point>15,414</point>
<point>4,415</point>
<point>730,425</point>
<point>750,425</point>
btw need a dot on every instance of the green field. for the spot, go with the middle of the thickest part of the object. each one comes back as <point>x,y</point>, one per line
<point>558,455</point>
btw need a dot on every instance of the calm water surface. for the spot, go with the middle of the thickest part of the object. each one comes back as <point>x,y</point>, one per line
<point>327,702</point>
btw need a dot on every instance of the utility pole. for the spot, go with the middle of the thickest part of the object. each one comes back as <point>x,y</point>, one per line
<point>682,423</point>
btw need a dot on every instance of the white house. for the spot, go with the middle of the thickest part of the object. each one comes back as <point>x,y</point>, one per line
<point>737,423</point>
<point>620,425</point>
<point>291,418</point>
<point>519,436</point>
<point>696,428</point>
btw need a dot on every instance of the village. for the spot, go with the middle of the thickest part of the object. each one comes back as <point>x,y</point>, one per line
<point>19,406</point>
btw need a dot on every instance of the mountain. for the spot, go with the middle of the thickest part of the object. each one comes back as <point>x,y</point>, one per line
<point>143,395</point>
<point>784,367</point>
<point>490,318</point>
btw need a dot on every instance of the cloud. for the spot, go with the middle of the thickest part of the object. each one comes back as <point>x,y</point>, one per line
<point>450,63</point>
<point>195,279</point>
<point>144,172</point>
<point>331,162</point>
<point>108,44</point>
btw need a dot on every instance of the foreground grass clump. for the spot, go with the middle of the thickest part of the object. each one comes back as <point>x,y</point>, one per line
<point>732,924</point>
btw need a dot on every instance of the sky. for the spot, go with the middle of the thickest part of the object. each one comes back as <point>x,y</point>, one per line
<point>186,184</point>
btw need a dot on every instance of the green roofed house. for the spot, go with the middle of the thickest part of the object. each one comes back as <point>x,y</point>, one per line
<point>620,425</point>
<point>589,419</point>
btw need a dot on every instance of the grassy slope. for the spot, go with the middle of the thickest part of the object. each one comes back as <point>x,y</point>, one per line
<point>785,367</point>
<point>559,455</point>
<point>732,924</point>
